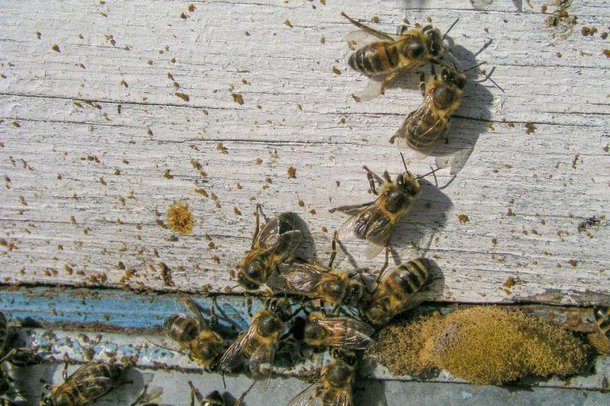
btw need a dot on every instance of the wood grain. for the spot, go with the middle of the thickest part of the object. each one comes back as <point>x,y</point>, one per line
<point>91,121</point>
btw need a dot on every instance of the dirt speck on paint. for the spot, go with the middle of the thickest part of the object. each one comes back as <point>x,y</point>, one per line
<point>180,218</point>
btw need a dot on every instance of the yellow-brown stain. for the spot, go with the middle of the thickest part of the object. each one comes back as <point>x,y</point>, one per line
<point>485,345</point>
<point>180,218</point>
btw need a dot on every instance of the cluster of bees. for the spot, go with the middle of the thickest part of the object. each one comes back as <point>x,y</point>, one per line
<point>314,304</point>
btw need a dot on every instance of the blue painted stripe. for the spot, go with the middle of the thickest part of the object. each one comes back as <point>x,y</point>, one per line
<point>114,308</point>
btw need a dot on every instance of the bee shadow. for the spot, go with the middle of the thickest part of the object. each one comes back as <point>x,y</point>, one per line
<point>427,216</point>
<point>370,392</point>
<point>307,249</point>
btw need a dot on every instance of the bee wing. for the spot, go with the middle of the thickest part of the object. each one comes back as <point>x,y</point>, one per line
<point>168,345</point>
<point>194,308</point>
<point>356,211</point>
<point>307,397</point>
<point>303,277</point>
<point>417,120</point>
<point>234,353</point>
<point>348,333</point>
<point>373,88</point>
<point>146,397</point>
<point>261,362</point>
<point>359,38</point>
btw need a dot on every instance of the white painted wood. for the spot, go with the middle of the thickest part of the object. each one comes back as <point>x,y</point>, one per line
<point>59,118</point>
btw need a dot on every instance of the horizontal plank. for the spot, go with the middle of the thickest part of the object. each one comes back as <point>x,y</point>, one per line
<point>110,325</point>
<point>85,149</point>
<point>371,392</point>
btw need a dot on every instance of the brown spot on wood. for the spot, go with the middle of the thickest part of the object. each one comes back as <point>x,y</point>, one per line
<point>192,8</point>
<point>55,48</point>
<point>530,128</point>
<point>220,147</point>
<point>237,98</point>
<point>183,96</point>
<point>357,99</point>
<point>463,218</point>
<point>167,175</point>
<point>180,218</point>
<point>573,263</point>
<point>166,274</point>
<point>236,211</point>
<point>292,172</point>
<point>322,40</point>
<point>287,23</point>
<point>336,70</point>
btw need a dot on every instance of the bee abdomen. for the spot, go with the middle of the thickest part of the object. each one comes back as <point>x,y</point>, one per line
<point>180,328</point>
<point>374,59</point>
<point>414,274</point>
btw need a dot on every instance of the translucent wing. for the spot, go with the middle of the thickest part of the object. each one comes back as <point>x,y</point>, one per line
<point>308,397</point>
<point>373,88</point>
<point>302,277</point>
<point>359,38</point>
<point>146,397</point>
<point>422,129</point>
<point>168,344</point>
<point>261,362</point>
<point>347,332</point>
<point>234,353</point>
<point>194,308</point>
<point>357,212</point>
<point>272,230</point>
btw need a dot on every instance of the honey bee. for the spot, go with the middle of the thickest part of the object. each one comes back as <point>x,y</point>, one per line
<point>343,332</point>
<point>194,335</point>
<point>88,383</point>
<point>387,56</point>
<point>396,291</point>
<point>375,221</point>
<point>311,279</point>
<point>259,343</point>
<point>429,124</point>
<point>271,246</point>
<point>334,388</point>
<point>602,319</point>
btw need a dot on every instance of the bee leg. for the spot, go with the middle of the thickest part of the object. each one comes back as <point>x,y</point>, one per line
<point>422,84</point>
<point>333,252</point>
<point>65,372</point>
<point>213,318</point>
<point>385,265</point>
<point>370,175</point>
<point>258,223</point>
<point>249,306</point>
<point>387,177</point>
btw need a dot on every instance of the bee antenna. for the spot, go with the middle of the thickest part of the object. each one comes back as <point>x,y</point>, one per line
<point>403,161</point>
<point>475,66</point>
<point>449,29</point>
<point>432,172</point>
<point>488,77</point>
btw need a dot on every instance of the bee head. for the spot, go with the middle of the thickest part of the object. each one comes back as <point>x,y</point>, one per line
<point>453,78</point>
<point>376,313</point>
<point>354,292</point>
<point>249,276</point>
<point>279,307</point>
<point>408,184</point>
<point>268,325</point>
<point>347,356</point>
<point>436,46</point>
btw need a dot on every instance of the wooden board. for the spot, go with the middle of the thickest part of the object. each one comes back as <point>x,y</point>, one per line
<point>91,123</point>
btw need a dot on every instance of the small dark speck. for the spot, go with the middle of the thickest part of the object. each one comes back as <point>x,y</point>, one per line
<point>55,48</point>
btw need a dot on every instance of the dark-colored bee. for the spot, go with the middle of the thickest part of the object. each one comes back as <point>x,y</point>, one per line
<point>271,246</point>
<point>602,319</point>
<point>425,127</point>
<point>383,57</point>
<point>396,291</point>
<point>375,221</point>
<point>342,332</point>
<point>334,388</point>
<point>87,384</point>
<point>194,335</point>
<point>259,343</point>
<point>311,279</point>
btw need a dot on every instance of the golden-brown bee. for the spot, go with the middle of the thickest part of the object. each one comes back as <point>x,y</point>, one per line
<point>396,291</point>
<point>429,124</point>
<point>271,246</point>
<point>387,55</point>
<point>194,335</point>
<point>375,221</point>
<point>259,343</point>
<point>311,279</point>
<point>334,388</point>
<point>602,319</point>
<point>88,383</point>
<point>342,332</point>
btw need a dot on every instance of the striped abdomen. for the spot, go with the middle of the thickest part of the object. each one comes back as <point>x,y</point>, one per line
<point>181,329</point>
<point>410,277</point>
<point>375,58</point>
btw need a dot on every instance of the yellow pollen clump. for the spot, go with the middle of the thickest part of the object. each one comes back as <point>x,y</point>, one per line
<point>179,218</point>
<point>485,345</point>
